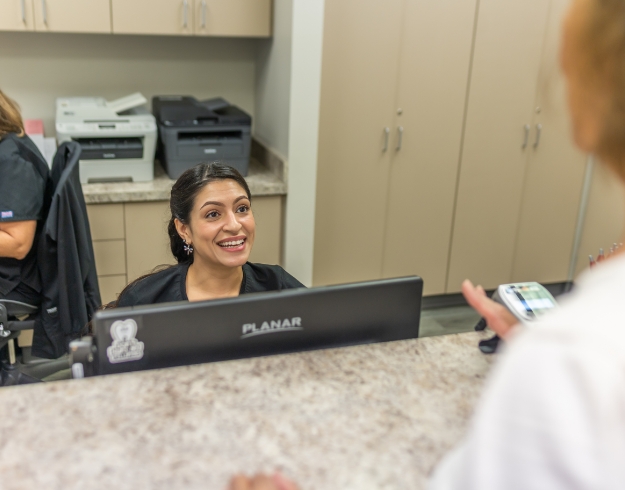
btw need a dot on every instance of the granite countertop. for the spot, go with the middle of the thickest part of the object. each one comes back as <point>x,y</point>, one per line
<point>261,180</point>
<point>378,416</point>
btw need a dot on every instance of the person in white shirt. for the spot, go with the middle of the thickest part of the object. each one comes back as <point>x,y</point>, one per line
<point>552,415</point>
<point>553,412</point>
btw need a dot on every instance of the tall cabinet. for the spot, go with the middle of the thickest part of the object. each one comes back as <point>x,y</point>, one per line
<point>506,62</point>
<point>444,146</point>
<point>520,177</point>
<point>432,85</point>
<point>392,97</point>
<point>554,175</point>
<point>358,109</point>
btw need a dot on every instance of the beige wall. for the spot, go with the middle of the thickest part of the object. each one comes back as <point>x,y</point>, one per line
<point>35,68</point>
<point>604,216</point>
<point>273,81</point>
<point>305,93</point>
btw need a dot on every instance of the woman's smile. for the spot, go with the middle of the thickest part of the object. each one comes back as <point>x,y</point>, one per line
<point>233,244</point>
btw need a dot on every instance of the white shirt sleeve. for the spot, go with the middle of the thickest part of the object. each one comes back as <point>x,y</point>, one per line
<point>549,419</point>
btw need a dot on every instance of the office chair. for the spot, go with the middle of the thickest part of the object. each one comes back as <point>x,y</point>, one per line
<point>17,317</point>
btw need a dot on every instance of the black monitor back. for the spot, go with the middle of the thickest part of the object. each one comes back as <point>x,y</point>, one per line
<point>174,334</point>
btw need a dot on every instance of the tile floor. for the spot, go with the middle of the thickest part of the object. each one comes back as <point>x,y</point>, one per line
<point>443,321</point>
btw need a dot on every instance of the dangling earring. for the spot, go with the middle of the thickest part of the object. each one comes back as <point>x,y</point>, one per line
<point>187,247</point>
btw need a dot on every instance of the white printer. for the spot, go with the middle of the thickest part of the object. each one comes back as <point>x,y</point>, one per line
<point>118,138</point>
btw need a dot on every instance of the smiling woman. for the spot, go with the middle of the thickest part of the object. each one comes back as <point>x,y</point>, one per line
<point>211,233</point>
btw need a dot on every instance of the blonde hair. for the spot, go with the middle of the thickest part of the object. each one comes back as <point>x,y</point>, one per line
<point>10,117</point>
<point>604,43</point>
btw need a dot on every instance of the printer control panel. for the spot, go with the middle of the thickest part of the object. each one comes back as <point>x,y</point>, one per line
<point>119,127</point>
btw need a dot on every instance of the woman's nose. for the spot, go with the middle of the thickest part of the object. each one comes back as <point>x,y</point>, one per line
<point>232,223</point>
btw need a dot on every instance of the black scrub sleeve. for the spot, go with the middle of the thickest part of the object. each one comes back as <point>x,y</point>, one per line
<point>262,277</point>
<point>128,297</point>
<point>22,189</point>
<point>165,286</point>
<point>22,197</point>
<point>287,281</point>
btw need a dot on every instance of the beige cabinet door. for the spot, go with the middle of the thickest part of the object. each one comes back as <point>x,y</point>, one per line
<point>268,241</point>
<point>90,16</point>
<point>152,16</point>
<point>358,92</point>
<point>110,257</point>
<point>147,242</point>
<point>106,221</point>
<point>110,287</point>
<point>244,18</point>
<point>16,15</point>
<point>434,71</point>
<point>554,177</point>
<point>506,63</point>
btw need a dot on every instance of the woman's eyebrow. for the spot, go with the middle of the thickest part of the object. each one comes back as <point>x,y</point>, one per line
<point>215,203</point>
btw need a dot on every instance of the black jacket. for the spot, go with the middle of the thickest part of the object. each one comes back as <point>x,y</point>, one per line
<point>66,261</point>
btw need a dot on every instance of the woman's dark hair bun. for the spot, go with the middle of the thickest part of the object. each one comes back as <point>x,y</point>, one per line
<point>183,195</point>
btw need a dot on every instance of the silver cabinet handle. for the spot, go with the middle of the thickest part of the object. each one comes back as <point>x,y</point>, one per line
<point>526,138</point>
<point>23,2</point>
<point>400,137</point>
<point>539,130</point>
<point>387,132</point>
<point>185,12</point>
<point>45,12</point>
<point>203,14</point>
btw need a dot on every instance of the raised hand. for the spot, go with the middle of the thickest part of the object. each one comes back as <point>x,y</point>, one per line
<point>497,316</point>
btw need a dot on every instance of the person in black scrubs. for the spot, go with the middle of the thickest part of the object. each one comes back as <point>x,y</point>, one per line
<point>211,233</point>
<point>23,183</point>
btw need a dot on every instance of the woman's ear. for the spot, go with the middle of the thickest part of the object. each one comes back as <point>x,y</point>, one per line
<point>183,230</point>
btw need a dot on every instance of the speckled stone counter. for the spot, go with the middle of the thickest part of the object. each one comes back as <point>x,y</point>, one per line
<point>261,180</point>
<point>369,417</point>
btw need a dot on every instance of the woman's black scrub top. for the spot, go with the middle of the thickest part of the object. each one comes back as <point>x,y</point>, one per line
<point>23,181</point>
<point>170,284</point>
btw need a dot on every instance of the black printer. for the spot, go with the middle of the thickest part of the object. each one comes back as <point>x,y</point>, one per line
<point>192,131</point>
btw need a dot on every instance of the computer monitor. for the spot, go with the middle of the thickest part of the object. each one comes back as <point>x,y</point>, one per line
<point>175,334</point>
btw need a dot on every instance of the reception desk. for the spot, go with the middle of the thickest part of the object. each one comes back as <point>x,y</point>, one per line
<point>377,416</point>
